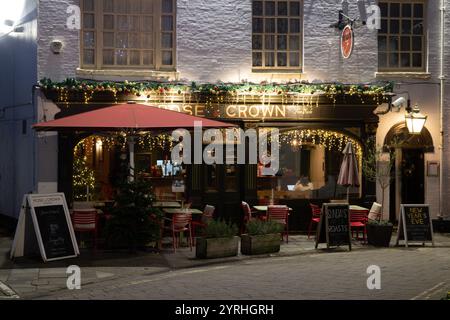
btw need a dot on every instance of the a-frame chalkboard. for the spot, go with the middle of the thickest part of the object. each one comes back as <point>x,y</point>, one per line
<point>415,224</point>
<point>45,226</point>
<point>334,226</point>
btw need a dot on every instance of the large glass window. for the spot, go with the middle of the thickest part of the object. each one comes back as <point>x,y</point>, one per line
<point>277,35</point>
<point>401,39</point>
<point>128,34</point>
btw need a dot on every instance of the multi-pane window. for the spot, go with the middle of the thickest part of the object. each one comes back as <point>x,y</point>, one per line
<point>401,39</point>
<point>128,34</point>
<point>277,35</point>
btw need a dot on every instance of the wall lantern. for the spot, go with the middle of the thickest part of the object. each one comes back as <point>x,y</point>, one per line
<point>415,121</point>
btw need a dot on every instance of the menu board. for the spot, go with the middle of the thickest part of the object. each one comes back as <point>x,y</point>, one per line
<point>334,226</point>
<point>415,224</point>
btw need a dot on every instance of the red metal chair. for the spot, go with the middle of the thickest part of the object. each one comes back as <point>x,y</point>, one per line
<point>86,220</point>
<point>280,214</point>
<point>358,221</point>
<point>315,217</point>
<point>180,223</point>
<point>207,216</point>
<point>248,215</point>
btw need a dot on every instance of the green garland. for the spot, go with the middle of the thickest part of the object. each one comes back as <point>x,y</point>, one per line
<point>331,90</point>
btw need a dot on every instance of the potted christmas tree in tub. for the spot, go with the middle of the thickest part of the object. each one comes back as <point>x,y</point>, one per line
<point>262,237</point>
<point>219,241</point>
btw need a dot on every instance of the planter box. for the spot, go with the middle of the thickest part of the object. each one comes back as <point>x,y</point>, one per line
<point>262,244</point>
<point>216,247</point>
<point>379,235</point>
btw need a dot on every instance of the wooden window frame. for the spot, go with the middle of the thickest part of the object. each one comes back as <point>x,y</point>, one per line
<point>277,69</point>
<point>157,40</point>
<point>387,51</point>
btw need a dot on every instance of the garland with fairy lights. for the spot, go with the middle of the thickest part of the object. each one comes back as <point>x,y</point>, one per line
<point>87,90</point>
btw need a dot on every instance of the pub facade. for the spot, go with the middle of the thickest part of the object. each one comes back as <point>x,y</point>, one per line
<point>255,64</point>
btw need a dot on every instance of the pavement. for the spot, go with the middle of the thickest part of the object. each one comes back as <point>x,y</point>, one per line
<point>106,271</point>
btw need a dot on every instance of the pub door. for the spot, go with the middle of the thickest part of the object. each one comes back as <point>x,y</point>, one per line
<point>413,176</point>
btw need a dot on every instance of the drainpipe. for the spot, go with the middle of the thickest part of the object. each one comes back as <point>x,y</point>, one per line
<point>441,106</point>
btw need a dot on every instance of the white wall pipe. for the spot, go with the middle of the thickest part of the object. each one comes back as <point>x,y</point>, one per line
<point>441,106</point>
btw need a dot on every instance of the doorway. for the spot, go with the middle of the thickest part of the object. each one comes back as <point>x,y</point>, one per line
<point>413,176</point>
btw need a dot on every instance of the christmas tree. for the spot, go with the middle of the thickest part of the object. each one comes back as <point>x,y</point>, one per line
<point>83,179</point>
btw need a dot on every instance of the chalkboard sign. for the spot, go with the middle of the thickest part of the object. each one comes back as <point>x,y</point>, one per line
<point>52,228</point>
<point>415,224</point>
<point>334,226</point>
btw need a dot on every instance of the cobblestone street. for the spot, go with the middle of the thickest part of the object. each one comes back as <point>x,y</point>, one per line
<point>417,273</point>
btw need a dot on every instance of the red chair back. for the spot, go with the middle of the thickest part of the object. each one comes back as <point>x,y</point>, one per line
<point>278,213</point>
<point>358,216</point>
<point>247,211</point>
<point>315,210</point>
<point>84,220</point>
<point>181,222</point>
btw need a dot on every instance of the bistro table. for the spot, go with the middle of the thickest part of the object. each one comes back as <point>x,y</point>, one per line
<point>358,208</point>
<point>264,208</point>
<point>167,204</point>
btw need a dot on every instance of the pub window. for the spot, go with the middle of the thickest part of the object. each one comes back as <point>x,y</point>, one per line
<point>401,39</point>
<point>128,34</point>
<point>277,35</point>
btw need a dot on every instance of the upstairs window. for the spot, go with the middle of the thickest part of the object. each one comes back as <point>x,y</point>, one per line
<point>401,39</point>
<point>128,34</point>
<point>277,35</point>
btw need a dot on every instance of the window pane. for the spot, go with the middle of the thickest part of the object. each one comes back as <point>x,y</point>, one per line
<point>418,10</point>
<point>417,43</point>
<point>405,61</point>
<point>406,10</point>
<point>282,8</point>
<point>121,57</point>
<point>257,43</point>
<point>108,6</point>
<point>135,58</point>
<point>294,42</point>
<point>147,40</point>
<point>406,44</point>
<point>395,10</point>
<point>120,6</point>
<point>269,42</point>
<point>166,40</point>
<point>417,60</point>
<point>257,59</point>
<point>108,22</point>
<point>134,23</point>
<point>147,6</point>
<point>394,26</point>
<point>134,6</point>
<point>167,23</point>
<point>418,27</point>
<point>89,56</point>
<point>270,25</point>
<point>108,39</point>
<point>393,60</point>
<point>167,58</point>
<point>88,21</point>
<point>406,26</point>
<point>167,6</point>
<point>258,25</point>
<point>294,59</point>
<point>257,8</point>
<point>282,42</point>
<point>294,8</point>
<point>393,43</point>
<point>270,8</point>
<point>384,9</point>
<point>384,26</point>
<point>108,57</point>
<point>89,39</point>
<point>282,25</point>
<point>148,58</point>
<point>122,23</point>
<point>122,40</point>
<point>147,23</point>
<point>270,59</point>
<point>133,40</point>
<point>282,59</point>
<point>88,5</point>
<point>382,60</point>
<point>382,43</point>
<point>295,25</point>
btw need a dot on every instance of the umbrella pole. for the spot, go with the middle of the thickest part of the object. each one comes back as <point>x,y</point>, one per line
<point>131,142</point>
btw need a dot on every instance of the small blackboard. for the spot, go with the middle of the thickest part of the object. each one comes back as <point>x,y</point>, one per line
<point>415,224</point>
<point>53,231</point>
<point>334,226</point>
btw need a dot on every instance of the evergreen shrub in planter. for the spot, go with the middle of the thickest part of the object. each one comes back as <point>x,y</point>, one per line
<point>219,241</point>
<point>379,233</point>
<point>263,237</point>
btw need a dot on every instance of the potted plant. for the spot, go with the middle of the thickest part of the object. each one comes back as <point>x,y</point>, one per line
<point>219,241</point>
<point>377,167</point>
<point>262,237</point>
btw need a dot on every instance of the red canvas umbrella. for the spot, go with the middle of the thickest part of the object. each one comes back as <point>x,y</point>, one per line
<point>349,174</point>
<point>128,117</point>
